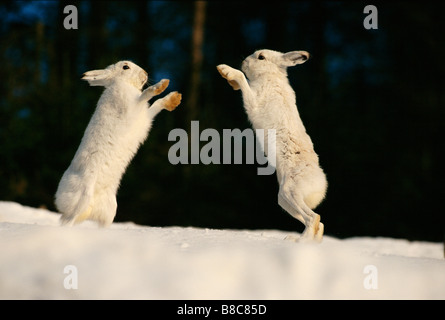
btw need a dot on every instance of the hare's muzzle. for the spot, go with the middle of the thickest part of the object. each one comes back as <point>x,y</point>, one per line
<point>143,77</point>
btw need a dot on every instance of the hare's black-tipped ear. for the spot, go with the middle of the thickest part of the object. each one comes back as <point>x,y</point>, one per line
<point>295,57</point>
<point>97,77</point>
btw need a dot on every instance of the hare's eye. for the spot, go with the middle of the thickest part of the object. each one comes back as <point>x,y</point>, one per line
<point>261,57</point>
<point>125,67</point>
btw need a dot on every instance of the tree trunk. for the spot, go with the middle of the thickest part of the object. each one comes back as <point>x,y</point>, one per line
<point>197,58</point>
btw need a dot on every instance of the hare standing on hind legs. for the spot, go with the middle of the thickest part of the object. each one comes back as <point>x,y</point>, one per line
<point>119,125</point>
<point>270,103</point>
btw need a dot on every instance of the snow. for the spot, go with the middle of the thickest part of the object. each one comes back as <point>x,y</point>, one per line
<point>41,260</point>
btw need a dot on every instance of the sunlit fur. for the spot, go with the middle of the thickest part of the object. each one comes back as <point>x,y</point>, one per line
<point>119,125</point>
<point>270,103</point>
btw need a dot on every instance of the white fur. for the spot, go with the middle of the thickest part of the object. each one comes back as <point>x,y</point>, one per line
<point>119,125</point>
<point>270,103</point>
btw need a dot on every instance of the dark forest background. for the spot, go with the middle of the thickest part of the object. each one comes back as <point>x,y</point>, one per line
<point>373,102</point>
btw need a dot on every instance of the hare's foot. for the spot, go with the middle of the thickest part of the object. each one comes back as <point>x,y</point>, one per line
<point>303,238</point>
<point>300,239</point>
<point>172,100</point>
<point>291,237</point>
<point>68,220</point>
<point>310,234</point>
<point>159,87</point>
<point>84,215</point>
<point>232,76</point>
<point>319,233</point>
<point>314,231</point>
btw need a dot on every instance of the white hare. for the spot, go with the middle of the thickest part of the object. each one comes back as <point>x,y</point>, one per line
<point>270,103</point>
<point>119,125</point>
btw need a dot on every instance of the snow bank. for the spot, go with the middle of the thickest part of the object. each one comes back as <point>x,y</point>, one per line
<point>41,260</point>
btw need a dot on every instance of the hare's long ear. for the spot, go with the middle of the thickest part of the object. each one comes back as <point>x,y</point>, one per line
<point>97,77</point>
<point>295,57</point>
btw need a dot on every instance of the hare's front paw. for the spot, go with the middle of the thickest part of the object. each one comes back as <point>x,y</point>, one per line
<point>172,100</point>
<point>228,72</point>
<point>159,87</point>
<point>233,76</point>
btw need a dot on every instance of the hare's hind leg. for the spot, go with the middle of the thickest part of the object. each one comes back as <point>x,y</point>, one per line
<point>84,215</point>
<point>294,204</point>
<point>294,213</point>
<point>319,233</point>
<point>71,220</point>
<point>289,209</point>
<point>105,207</point>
